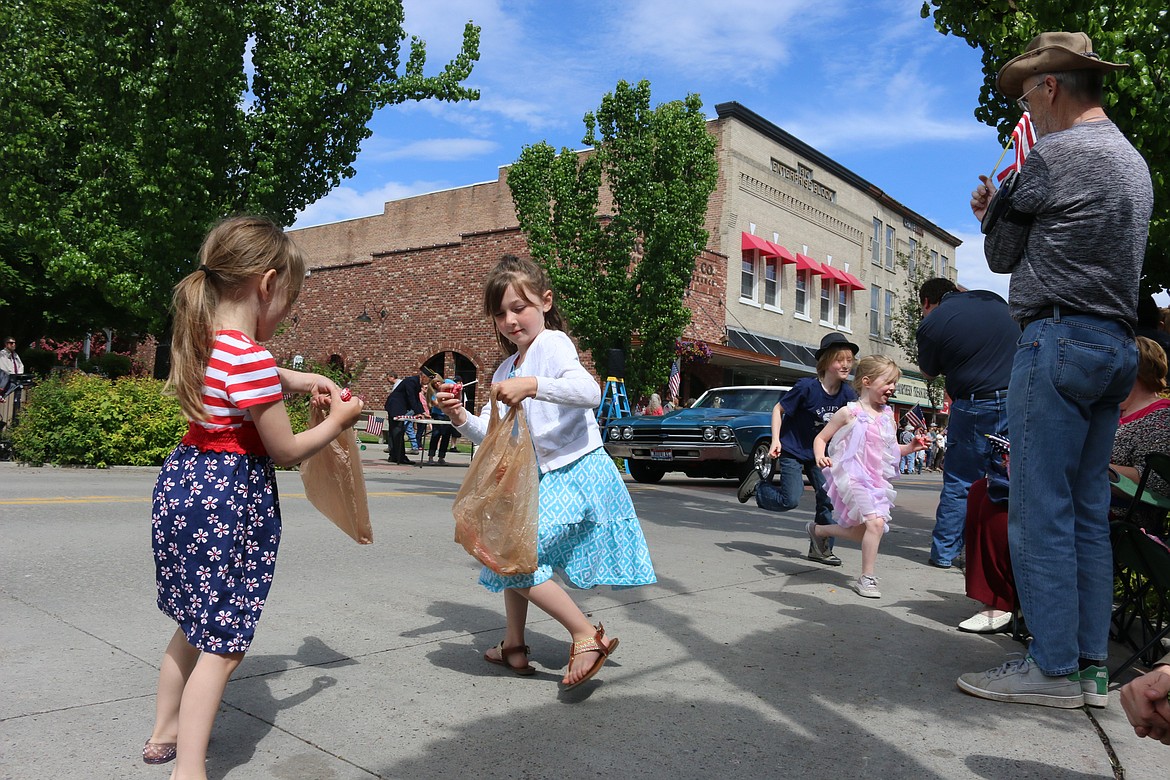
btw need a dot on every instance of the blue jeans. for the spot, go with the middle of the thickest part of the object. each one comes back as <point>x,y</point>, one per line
<point>968,452</point>
<point>1069,376</point>
<point>906,464</point>
<point>788,486</point>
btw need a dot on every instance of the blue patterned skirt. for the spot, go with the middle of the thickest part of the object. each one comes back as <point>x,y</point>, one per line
<point>587,530</point>
<point>216,530</point>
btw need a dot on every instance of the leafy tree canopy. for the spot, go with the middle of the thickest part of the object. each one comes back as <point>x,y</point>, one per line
<point>625,272</point>
<point>132,126</point>
<point>1137,99</point>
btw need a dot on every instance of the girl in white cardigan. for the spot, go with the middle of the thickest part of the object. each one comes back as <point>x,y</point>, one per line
<point>588,529</point>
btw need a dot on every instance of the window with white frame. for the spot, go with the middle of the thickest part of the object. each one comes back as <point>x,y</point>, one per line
<point>913,256</point>
<point>772,279</point>
<point>747,276</point>
<point>888,317</point>
<point>890,247</point>
<point>875,312</point>
<point>934,261</point>
<point>843,296</point>
<point>945,270</point>
<point>826,299</point>
<point>876,244</point>
<point>802,283</point>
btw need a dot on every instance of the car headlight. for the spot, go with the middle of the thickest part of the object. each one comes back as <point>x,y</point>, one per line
<point>724,434</point>
<point>627,433</point>
<point>614,433</point>
<point>708,434</point>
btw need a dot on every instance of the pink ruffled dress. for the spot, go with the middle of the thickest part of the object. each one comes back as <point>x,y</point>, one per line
<point>865,457</point>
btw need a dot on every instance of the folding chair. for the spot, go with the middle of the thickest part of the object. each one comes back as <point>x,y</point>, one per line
<point>1141,615</point>
<point>1140,495</point>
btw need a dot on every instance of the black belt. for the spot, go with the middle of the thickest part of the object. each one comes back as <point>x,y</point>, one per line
<point>1047,313</point>
<point>1056,311</point>
<point>991,395</point>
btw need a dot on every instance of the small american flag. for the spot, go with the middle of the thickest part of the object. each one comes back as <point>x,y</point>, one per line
<point>1023,139</point>
<point>374,425</point>
<point>672,386</point>
<point>914,417</point>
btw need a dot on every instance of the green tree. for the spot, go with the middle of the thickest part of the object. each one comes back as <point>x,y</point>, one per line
<point>919,267</point>
<point>1137,99</point>
<point>132,126</point>
<point>625,272</point>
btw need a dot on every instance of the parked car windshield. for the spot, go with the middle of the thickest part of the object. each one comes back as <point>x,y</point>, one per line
<point>750,399</point>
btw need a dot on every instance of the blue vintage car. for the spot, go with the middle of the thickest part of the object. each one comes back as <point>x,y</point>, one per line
<point>725,434</point>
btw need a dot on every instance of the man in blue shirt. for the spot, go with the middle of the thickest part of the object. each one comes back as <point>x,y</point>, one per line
<point>970,337</point>
<point>796,420</point>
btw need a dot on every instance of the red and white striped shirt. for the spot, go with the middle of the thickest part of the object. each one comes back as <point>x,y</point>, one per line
<point>240,374</point>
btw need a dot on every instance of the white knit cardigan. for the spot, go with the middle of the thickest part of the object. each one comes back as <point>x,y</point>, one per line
<point>561,417</point>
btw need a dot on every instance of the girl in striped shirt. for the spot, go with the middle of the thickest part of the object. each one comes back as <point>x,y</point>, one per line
<point>216,514</point>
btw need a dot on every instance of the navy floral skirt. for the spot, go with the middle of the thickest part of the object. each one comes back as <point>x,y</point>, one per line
<point>216,530</point>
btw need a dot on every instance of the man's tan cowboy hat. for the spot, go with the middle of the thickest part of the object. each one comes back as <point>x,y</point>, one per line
<point>1050,52</point>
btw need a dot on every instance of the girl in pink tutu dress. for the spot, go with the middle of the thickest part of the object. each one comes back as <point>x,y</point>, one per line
<point>863,453</point>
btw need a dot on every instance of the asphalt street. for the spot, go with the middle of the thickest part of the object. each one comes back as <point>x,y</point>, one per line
<point>745,660</point>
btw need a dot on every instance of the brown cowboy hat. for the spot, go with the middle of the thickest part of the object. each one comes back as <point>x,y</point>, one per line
<point>1050,52</point>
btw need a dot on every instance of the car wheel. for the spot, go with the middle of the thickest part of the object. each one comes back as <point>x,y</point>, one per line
<point>760,461</point>
<point>644,472</point>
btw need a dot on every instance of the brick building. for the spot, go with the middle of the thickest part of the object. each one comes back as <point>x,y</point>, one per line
<point>798,246</point>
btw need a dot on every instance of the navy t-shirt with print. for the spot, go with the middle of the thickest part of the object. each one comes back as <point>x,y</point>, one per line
<point>807,407</point>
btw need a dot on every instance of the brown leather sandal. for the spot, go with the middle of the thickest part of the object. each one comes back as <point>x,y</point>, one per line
<point>596,644</point>
<point>524,671</point>
<point>158,752</point>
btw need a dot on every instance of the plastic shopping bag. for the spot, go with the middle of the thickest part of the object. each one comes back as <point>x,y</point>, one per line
<point>335,485</point>
<point>496,508</point>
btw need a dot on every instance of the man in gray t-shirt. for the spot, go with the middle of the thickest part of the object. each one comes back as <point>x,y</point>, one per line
<point>1072,234</point>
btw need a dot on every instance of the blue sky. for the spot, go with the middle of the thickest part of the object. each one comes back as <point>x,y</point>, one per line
<point>867,82</point>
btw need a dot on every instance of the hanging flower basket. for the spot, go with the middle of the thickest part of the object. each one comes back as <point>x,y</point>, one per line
<point>696,352</point>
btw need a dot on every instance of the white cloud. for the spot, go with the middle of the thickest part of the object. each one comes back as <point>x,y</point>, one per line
<point>743,39</point>
<point>879,128</point>
<point>380,149</point>
<point>440,23</point>
<point>347,203</point>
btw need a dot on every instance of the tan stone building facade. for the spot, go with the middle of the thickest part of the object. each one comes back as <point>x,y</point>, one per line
<point>798,247</point>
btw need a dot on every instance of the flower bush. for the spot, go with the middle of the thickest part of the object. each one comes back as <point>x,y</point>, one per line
<point>84,420</point>
<point>692,351</point>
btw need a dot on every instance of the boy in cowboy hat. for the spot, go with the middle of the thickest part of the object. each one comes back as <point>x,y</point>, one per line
<point>796,420</point>
<point>1072,233</point>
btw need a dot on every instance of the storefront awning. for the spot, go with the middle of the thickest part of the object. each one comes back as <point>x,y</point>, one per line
<point>836,274</point>
<point>786,353</point>
<point>749,242</point>
<point>806,263</point>
<point>853,281</point>
<point>784,255</point>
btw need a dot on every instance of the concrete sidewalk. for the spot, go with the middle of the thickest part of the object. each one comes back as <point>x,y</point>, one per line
<point>744,661</point>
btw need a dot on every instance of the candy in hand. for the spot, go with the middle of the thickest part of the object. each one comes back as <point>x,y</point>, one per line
<point>345,394</point>
<point>453,387</point>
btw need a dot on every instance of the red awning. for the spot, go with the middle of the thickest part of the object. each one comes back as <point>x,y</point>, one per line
<point>755,242</point>
<point>779,251</point>
<point>836,274</point>
<point>853,281</point>
<point>806,263</point>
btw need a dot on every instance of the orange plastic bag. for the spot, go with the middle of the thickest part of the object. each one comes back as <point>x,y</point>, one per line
<point>496,508</point>
<point>334,483</point>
